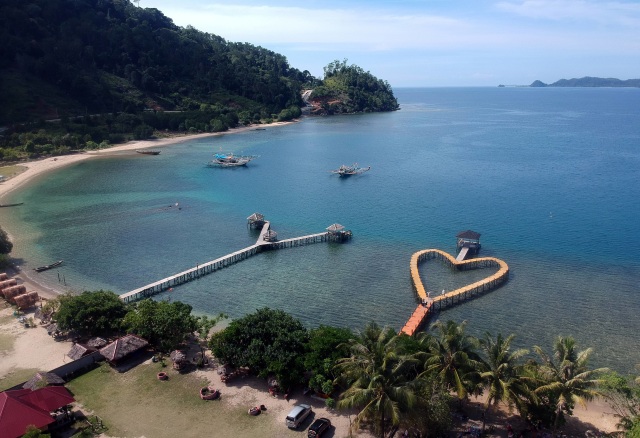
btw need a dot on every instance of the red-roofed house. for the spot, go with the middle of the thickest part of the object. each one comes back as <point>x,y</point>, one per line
<point>23,407</point>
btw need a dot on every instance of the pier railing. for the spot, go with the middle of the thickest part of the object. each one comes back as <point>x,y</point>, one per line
<point>222,262</point>
<point>429,304</point>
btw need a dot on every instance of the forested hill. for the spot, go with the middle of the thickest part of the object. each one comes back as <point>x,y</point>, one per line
<point>93,56</point>
<point>349,89</point>
<point>588,81</point>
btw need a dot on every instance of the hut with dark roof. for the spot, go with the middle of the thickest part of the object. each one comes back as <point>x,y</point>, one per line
<point>42,379</point>
<point>468,239</point>
<point>123,348</point>
<point>78,350</point>
<point>256,220</point>
<point>337,233</point>
<point>96,343</point>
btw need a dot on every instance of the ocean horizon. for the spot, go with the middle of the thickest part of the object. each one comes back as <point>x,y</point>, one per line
<point>548,176</point>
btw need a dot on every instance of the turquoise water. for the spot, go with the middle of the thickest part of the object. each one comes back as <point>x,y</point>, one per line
<point>550,177</point>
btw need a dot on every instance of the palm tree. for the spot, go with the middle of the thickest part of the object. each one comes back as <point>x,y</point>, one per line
<point>379,378</point>
<point>566,379</point>
<point>500,374</point>
<point>452,357</point>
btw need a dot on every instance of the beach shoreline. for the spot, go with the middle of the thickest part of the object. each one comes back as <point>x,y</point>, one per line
<point>41,167</point>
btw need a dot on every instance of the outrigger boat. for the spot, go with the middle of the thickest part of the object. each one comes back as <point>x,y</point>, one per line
<point>147,152</point>
<point>51,266</point>
<point>350,170</point>
<point>229,160</point>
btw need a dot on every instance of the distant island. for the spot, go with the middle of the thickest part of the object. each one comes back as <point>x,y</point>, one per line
<point>588,81</point>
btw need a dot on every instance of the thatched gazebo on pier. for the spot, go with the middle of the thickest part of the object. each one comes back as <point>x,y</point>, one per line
<point>468,239</point>
<point>270,236</point>
<point>256,220</point>
<point>337,233</point>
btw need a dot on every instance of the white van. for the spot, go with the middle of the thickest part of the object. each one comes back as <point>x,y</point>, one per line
<point>297,416</point>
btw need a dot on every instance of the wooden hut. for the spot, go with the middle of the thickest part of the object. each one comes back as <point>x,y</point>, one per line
<point>79,350</point>
<point>26,300</point>
<point>42,379</point>
<point>468,239</point>
<point>11,292</point>
<point>96,343</point>
<point>337,233</point>
<point>256,220</point>
<point>270,236</point>
<point>7,283</point>
<point>123,348</point>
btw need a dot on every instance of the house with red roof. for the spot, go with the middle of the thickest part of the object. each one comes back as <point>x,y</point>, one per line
<point>24,407</point>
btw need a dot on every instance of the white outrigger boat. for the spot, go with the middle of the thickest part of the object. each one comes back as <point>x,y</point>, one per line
<point>350,170</point>
<point>230,160</point>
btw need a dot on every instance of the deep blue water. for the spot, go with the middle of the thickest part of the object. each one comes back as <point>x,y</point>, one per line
<point>550,178</point>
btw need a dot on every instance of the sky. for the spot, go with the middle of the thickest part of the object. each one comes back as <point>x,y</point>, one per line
<point>433,43</point>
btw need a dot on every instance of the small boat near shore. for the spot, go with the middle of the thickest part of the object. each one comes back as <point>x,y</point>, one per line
<point>46,267</point>
<point>230,160</point>
<point>148,152</point>
<point>350,170</point>
<point>11,205</point>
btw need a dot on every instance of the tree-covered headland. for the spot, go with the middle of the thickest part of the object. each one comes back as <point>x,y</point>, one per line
<point>86,74</point>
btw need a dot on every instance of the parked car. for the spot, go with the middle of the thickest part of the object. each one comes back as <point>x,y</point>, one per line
<point>297,416</point>
<point>318,427</point>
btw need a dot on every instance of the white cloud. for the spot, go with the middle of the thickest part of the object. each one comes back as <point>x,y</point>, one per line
<point>598,12</point>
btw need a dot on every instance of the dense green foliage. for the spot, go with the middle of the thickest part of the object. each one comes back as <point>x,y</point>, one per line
<point>326,345</point>
<point>5,244</point>
<point>91,313</point>
<point>105,72</point>
<point>110,56</point>
<point>349,89</point>
<point>269,342</point>
<point>164,324</point>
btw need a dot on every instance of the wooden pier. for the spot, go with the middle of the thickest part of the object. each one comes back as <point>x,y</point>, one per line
<point>263,243</point>
<point>430,304</point>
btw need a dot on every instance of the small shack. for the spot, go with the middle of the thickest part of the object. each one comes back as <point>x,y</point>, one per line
<point>468,239</point>
<point>79,350</point>
<point>96,343</point>
<point>256,220</point>
<point>11,292</point>
<point>337,233</point>
<point>26,300</point>
<point>123,348</point>
<point>42,380</point>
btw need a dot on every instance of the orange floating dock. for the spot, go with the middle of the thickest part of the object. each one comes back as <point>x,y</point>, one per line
<point>429,305</point>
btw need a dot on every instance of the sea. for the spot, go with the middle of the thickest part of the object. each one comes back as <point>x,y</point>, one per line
<point>550,178</point>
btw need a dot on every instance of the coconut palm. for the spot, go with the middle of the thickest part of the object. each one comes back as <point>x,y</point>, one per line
<point>566,378</point>
<point>379,379</point>
<point>500,374</point>
<point>452,357</point>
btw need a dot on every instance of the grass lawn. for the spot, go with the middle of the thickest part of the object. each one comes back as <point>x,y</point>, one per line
<point>10,171</point>
<point>136,403</point>
<point>17,376</point>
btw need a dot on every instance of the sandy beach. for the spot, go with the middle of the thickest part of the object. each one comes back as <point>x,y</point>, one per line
<point>33,348</point>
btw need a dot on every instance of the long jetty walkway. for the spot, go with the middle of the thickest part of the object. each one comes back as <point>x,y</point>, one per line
<point>431,304</point>
<point>198,271</point>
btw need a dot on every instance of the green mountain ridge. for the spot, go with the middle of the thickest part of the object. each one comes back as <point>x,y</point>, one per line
<point>64,58</point>
<point>589,81</point>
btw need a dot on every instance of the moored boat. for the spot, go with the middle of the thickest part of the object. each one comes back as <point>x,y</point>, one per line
<point>230,160</point>
<point>350,170</point>
<point>148,152</point>
<point>51,266</point>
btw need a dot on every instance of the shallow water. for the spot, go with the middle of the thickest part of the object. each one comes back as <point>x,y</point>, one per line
<point>549,177</point>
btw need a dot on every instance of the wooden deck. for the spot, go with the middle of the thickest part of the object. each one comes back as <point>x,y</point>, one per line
<point>429,304</point>
<point>221,262</point>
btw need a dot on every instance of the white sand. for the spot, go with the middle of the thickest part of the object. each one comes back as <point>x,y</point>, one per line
<point>39,167</point>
